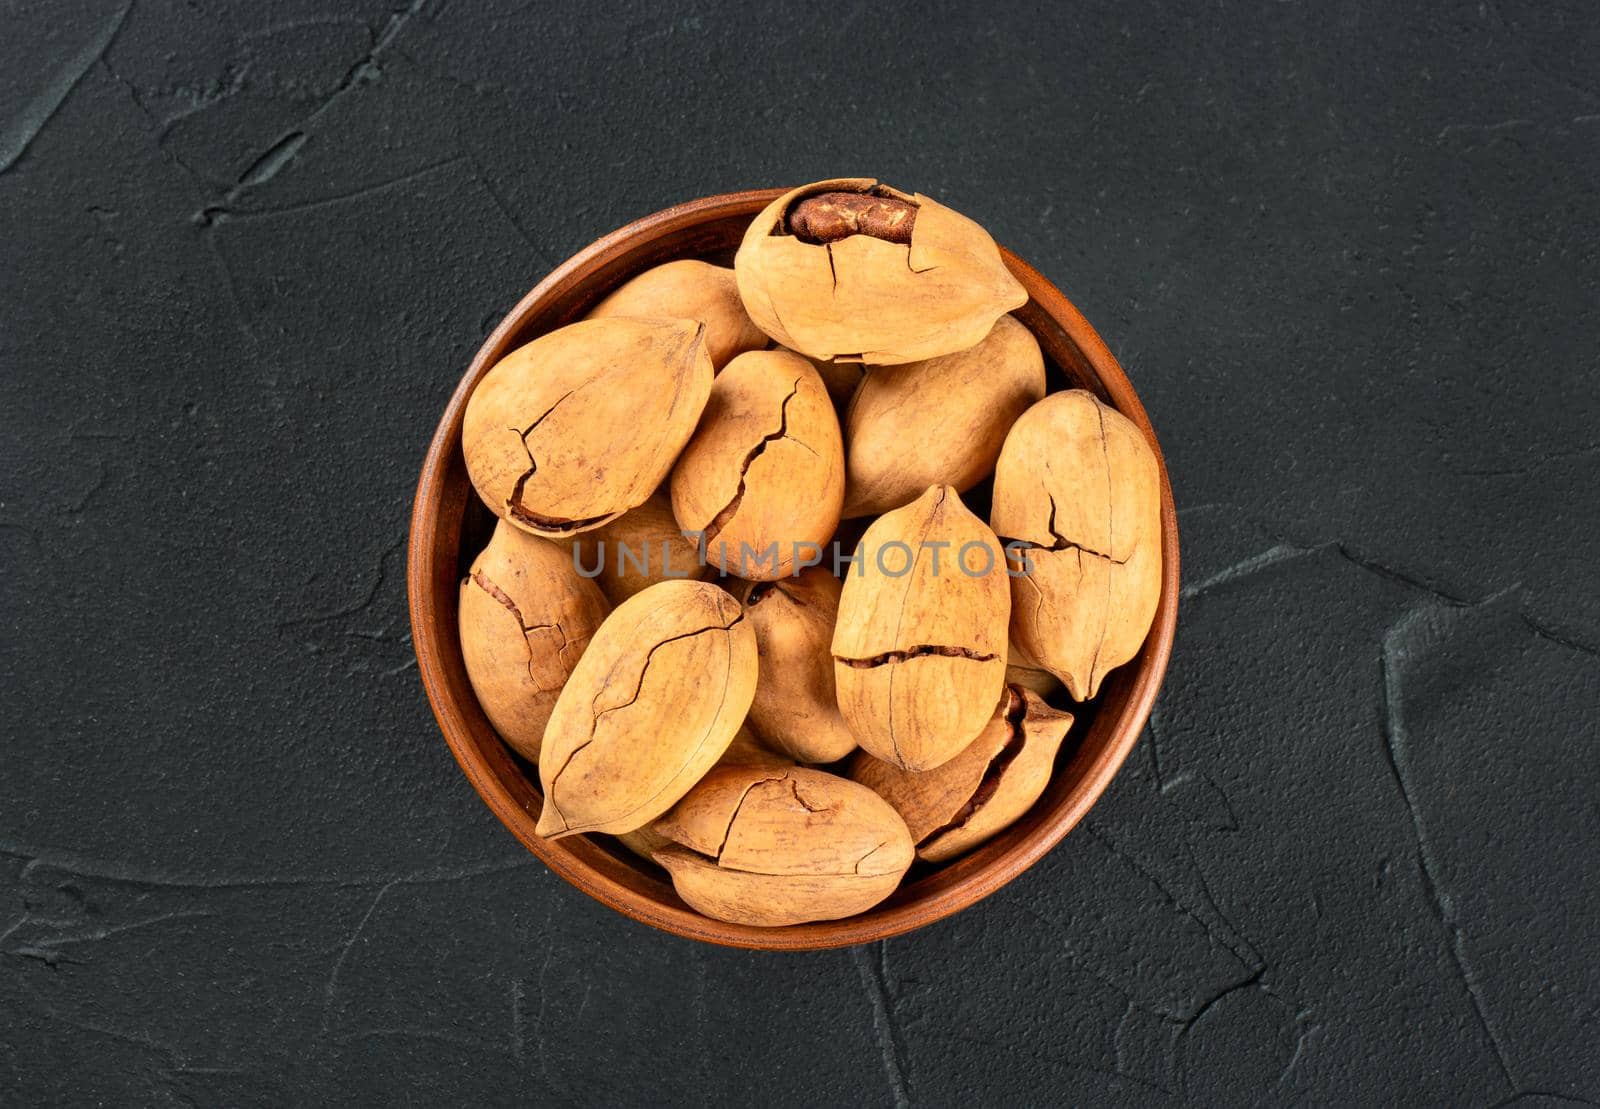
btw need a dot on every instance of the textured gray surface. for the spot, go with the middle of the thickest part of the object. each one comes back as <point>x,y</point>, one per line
<point>1347,256</point>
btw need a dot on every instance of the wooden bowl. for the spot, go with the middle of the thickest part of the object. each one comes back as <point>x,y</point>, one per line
<point>449,526</point>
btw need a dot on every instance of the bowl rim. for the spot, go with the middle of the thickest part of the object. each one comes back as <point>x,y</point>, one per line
<point>881,922</point>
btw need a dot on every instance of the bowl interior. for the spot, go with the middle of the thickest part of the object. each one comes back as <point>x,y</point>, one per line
<point>450,525</point>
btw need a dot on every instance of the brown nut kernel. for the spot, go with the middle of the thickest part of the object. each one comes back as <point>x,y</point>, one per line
<point>942,420</point>
<point>861,298</point>
<point>652,705</point>
<point>829,217</point>
<point>919,656</point>
<point>1078,489</point>
<point>692,290</point>
<point>582,424</point>
<point>796,708</point>
<point>771,847</point>
<point>981,791</point>
<point>525,618</point>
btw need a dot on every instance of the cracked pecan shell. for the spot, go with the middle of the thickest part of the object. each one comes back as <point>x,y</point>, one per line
<point>690,290</point>
<point>776,846</point>
<point>577,427</point>
<point>942,420</point>
<point>1078,488</point>
<point>763,476</point>
<point>525,618</point>
<point>652,705</point>
<point>840,379</point>
<point>981,791</point>
<point>852,271</point>
<point>920,655</point>
<point>639,548</point>
<point>745,750</point>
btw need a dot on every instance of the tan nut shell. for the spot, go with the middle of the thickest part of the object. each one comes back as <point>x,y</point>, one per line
<point>745,750</point>
<point>652,705</point>
<point>771,847</point>
<point>656,550</point>
<point>920,658</point>
<point>981,791</point>
<point>942,420</point>
<point>1077,480</point>
<point>796,709</point>
<point>579,426</point>
<point>525,618</point>
<point>840,379</point>
<point>765,469</point>
<point>862,299</point>
<point>1024,671</point>
<point>690,290</point>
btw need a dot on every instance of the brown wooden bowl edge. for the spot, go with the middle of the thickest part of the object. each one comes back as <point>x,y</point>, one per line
<point>1150,663</point>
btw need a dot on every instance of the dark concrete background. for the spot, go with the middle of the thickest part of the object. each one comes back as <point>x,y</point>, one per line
<point>1347,254</point>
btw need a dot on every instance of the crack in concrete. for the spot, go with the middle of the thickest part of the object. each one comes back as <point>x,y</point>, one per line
<point>1536,465</point>
<point>366,602</point>
<point>1119,1049</point>
<point>1394,651</point>
<point>1092,968</point>
<point>411,1032</point>
<point>1558,639</point>
<point>1244,568</point>
<point>519,1036</point>
<point>46,955</point>
<point>125,874</point>
<point>1480,128</point>
<point>330,988</point>
<point>885,1025</point>
<point>1187,1026</point>
<point>1211,899</point>
<point>108,931</point>
<point>544,991</point>
<point>546,256</point>
<point>1564,1099</point>
<point>231,288</point>
<point>213,217</point>
<point>1285,551</point>
<point>267,166</point>
<point>1032,1056</point>
<point>30,122</point>
<point>286,147</point>
<point>1255,981</point>
<point>1254,964</point>
<point>178,1060</point>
